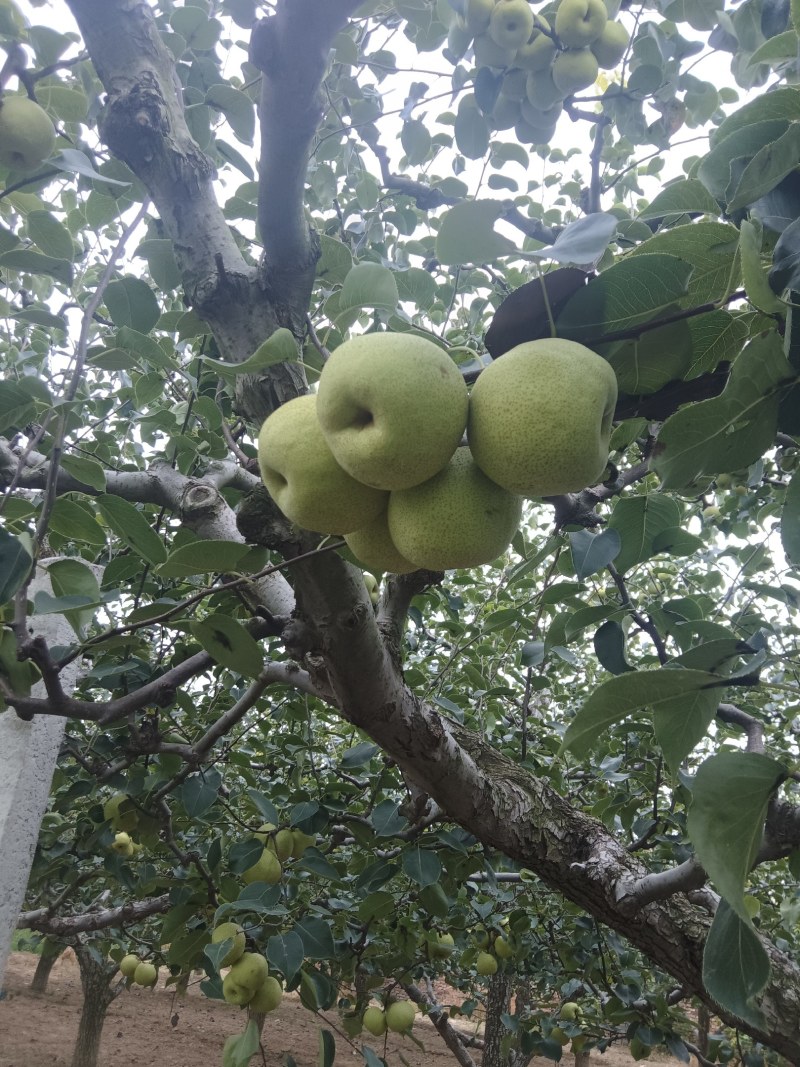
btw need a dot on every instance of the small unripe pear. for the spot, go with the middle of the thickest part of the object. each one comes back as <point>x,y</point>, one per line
<point>229,932</point>
<point>486,964</point>
<point>146,974</point>
<point>128,964</point>
<point>375,1021</point>
<point>400,1016</point>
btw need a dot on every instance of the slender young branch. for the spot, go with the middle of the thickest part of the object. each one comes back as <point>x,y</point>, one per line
<point>752,728</point>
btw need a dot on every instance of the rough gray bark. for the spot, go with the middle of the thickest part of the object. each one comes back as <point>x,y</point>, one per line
<point>51,950</point>
<point>498,1001</point>
<point>96,977</point>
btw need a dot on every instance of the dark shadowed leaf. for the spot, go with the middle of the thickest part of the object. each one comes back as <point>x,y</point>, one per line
<point>227,641</point>
<point>523,314</point>
<point>736,966</point>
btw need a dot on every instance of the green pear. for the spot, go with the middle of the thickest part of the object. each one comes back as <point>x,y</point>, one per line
<point>485,964</point>
<point>250,971</point>
<point>393,407</point>
<point>570,1010</point>
<point>122,844</point>
<point>120,812</point>
<point>540,417</point>
<point>538,51</point>
<point>145,974</point>
<point>477,15</point>
<point>268,995</point>
<point>229,932</point>
<point>542,90</point>
<point>459,38</point>
<point>301,842</point>
<point>264,832</point>
<point>267,869</point>
<point>488,53</point>
<point>505,113</point>
<point>27,136</point>
<point>527,133</point>
<point>514,84</point>
<point>442,948</point>
<point>458,518</point>
<point>574,70</point>
<point>542,118</point>
<point>511,23</point>
<point>281,844</point>
<point>373,547</point>
<point>304,479</point>
<point>503,948</point>
<point>611,45</point>
<point>400,1015</point>
<point>375,1021</point>
<point>371,583</point>
<point>579,22</point>
<point>234,992</point>
<point>128,964</point>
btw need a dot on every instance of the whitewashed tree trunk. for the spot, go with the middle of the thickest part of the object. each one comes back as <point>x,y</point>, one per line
<point>28,753</point>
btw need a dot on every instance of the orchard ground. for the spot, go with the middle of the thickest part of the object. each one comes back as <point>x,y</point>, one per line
<point>158,1028</point>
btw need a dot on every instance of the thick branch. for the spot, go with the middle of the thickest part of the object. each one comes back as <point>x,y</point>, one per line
<point>438,1016</point>
<point>144,125</point>
<point>45,923</point>
<point>505,806</point>
<point>291,49</point>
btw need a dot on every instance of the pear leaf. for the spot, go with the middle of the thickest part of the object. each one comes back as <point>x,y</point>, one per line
<point>467,235</point>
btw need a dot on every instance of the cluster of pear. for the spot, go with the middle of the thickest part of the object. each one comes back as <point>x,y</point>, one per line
<point>279,846</point>
<point>398,1018</point>
<point>123,816</point>
<point>248,983</point>
<point>376,454</point>
<point>139,971</point>
<point>544,57</point>
<point>27,136</point>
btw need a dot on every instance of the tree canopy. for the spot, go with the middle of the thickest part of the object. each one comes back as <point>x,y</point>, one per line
<point>581,758</point>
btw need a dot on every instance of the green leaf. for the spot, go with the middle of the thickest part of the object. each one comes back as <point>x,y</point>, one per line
<point>279,347</point>
<point>75,162</point>
<point>732,430</point>
<point>317,938</point>
<point>626,295</point>
<point>736,967</point>
<point>682,723</point>
<point>715,169</point>
<point>129,523</point>
<point>609,647</point>
<point>16,404</point>
<point>756,284</point>
<point>199,792</point>
<point>466,234</point>
<point>620,697</point>
<point>386,820</point>
<point>28,262</point>
<point>639,521</point>
<point>227,642</point>
<point>69,578</point>
<point>15,565</point>
<point>647,363</point>
<point>766,169</point>
<point>285,953</point>
<point>472,131</point>
<point>592,552</point>
<point>203,557</point>
<point>327,1049</point>
<point>711,248</point>
<point>730,794</point>
<point>335,260</point>
<point>776,49</point>
<point>239,1049</point>
<point>237,107</point>
<point>417,286</point>
<point>682,196</point>
<point>677,541</point>
<point>783,103</point>
<point>161,262</point>
<point>582,242</point>
<point>368,285</point>
<point>50,235</point>
<point>416,141</point>
<point>422,866</point>
<point>790,521</point>
<point>131,302</point>
<point>85,470</point>
<point>76,522</point>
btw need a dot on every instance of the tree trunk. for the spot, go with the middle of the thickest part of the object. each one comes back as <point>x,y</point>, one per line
<point>498,1002</point>
<point>703,1027</point>
<point>582,1059</point>
<point>96,976</point>
<point>51,950</point>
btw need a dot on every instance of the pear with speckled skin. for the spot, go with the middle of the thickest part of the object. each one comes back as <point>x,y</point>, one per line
<point>458,518</point>
<point>540,418</point>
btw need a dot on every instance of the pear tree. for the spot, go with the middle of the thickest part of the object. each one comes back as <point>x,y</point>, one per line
<point>479,659</point>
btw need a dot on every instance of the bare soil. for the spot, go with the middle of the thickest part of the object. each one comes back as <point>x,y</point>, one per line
<point>157,1028</point>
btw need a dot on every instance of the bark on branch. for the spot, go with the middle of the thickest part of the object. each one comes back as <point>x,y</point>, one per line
<point>42,920</point>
